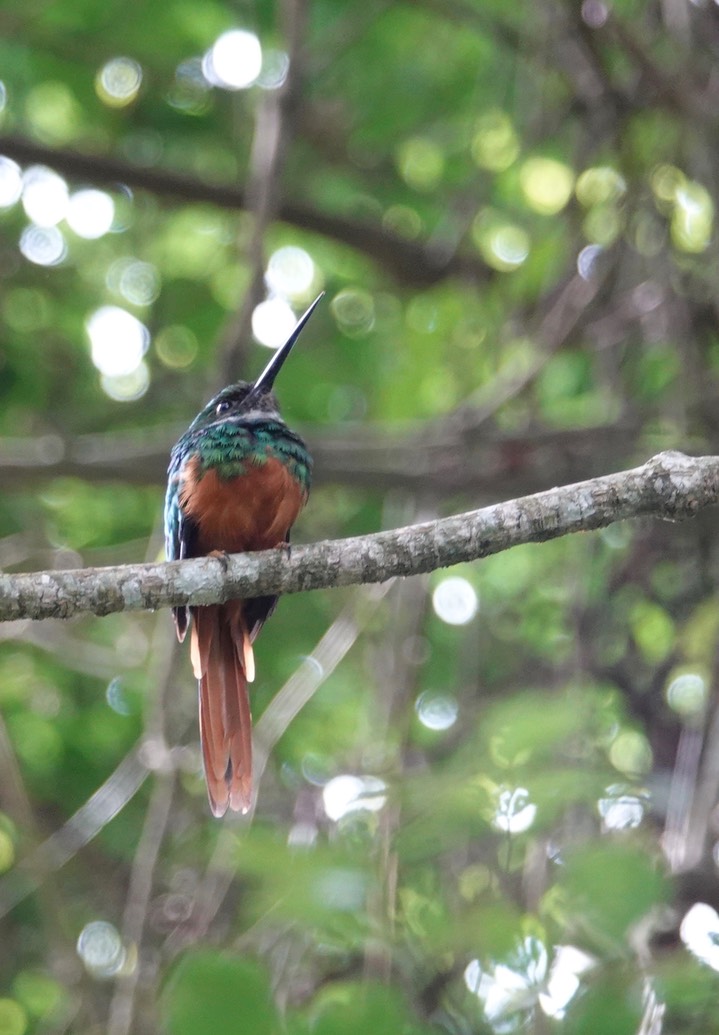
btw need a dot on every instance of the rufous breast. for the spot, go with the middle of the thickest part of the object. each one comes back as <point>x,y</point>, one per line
<point>252,511</point>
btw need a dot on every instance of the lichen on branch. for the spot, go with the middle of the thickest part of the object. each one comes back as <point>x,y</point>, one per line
<point>670,486</point>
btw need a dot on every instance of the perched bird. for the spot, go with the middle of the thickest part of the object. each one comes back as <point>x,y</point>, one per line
<point>237,480</point>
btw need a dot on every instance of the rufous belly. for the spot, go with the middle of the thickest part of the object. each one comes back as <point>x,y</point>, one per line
<point>253,511</point>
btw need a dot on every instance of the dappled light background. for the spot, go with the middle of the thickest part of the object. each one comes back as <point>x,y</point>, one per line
<point>487,798</point>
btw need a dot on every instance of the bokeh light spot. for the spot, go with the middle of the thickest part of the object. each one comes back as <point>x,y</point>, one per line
<point>290,272</point>
<point>275,66</point>
<point>495,145</point>
<point>138,282</point>
<point>687,694</point>
<point>693,218</point>
<point>420,162</point>
<point>353,309</point>
<point>7,854</point>
<point>594,13</point>
<point>116,697</point>
<point>587,260</point>
<point>190,91</point>
<point>422,315</point>
<point>622,808</point>
<point>37,741</point>
<point>403,220</point>
<point>101,950</point>
<point>344,794</point>
<point>699,931</point>
<point>603,224</point>
<point>436,711</point>
<point>508,247</point>
<point>455,601</point>
<point>43,245</point>
<point>273,321</point>
<point>13,1019</point>
<point>45,196</point>
<point>118,82</point>
<point>118,340</point>
<point>127,387</point>
<point>10,182</point>
<point>630,752</point>
<point>688,203</point>
<point>514,812</point>
<point>599,185</point>
<point>316,769</point>
<point>563,982</point>
<point>508,989</point>
<point>503,245</point>
<point>546,184</point>
<point>90,213</point>
<point>234,61</point>
<point>176,346</point>
<point>53,112</point>
<point>665,181</point>
<point>39,993</point>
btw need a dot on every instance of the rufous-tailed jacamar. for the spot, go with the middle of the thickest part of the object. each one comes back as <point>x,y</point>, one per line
<point>237,480</point>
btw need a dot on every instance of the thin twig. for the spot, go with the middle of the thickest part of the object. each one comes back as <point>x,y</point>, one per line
<point>122,1005</point>
<point>282,709</point>
<point>142,875</point>
<point>149,754</point>
<point>102,806</point>
<point>273,129</point>
<point>395,687</point>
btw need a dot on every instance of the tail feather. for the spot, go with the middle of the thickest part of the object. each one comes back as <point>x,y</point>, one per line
<point>221,657</point>
<point>243,640</point>
<point>239,771</point>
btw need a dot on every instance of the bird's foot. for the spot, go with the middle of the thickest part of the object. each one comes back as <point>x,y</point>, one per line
<point>222,556</point>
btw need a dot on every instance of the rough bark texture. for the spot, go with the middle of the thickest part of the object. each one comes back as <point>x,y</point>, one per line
<point>670,486</point>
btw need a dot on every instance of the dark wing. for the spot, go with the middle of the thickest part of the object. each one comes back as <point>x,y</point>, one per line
<point>179,535</point>
<point>258,609</point>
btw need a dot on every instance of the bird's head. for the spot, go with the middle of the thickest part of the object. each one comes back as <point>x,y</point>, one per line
<point>252,397</point>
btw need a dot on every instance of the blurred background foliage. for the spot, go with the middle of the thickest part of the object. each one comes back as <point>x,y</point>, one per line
<point>496,811</point>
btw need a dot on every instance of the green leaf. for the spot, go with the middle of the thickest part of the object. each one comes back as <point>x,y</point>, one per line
<point>211,992</point>
<point>612,1006</point>
<point>359,1008</point>
<point>609,886</point>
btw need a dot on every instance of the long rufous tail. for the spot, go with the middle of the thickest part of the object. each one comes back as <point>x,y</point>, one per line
<point>223,661</point>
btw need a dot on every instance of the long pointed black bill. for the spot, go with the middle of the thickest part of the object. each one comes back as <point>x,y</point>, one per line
<point>266,379</point>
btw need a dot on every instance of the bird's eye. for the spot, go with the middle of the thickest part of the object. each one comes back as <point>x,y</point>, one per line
<point>223,407</point>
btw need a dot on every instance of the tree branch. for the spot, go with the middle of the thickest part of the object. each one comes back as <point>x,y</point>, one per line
<point>419,264</point>
<point>451,454</point>
<point>670,485</point>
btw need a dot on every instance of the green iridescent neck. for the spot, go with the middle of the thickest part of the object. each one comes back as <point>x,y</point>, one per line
<point>231,447</point>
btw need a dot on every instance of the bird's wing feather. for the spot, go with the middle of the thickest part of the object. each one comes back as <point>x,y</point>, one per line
<point>180,533</point>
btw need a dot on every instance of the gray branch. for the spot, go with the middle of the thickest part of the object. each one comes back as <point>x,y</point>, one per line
<point>670,486</point>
